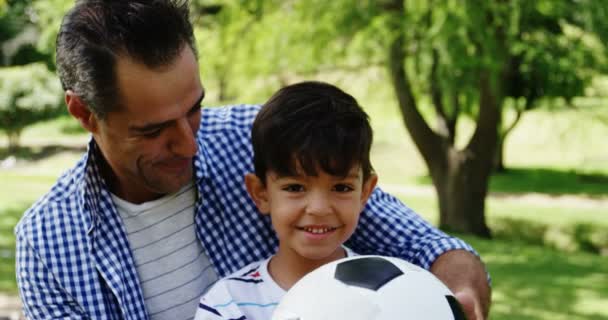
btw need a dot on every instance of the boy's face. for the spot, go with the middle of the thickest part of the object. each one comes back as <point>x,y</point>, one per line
<point>312,215</point>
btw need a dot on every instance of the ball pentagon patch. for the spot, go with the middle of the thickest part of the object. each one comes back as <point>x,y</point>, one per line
<point>370,273</point>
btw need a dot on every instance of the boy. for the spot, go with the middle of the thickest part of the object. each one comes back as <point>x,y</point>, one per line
<point>313,176</point>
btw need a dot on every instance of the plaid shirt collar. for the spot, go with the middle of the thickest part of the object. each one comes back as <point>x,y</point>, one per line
<point>107,236</point>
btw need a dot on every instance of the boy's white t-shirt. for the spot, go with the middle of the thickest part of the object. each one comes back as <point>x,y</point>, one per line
<point>250,293</point>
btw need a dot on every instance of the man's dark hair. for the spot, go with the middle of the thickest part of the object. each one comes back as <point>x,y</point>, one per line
<point>312,125</point>
<point>95,33</point>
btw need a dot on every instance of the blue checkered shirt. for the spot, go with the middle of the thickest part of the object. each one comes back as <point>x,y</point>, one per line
<point>73,256</point>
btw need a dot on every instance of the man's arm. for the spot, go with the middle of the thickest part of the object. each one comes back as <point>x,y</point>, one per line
<point>40,293</point>
<point>465,275</point>
<point>388,227</point>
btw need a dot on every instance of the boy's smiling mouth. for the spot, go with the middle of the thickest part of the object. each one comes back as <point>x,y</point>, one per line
<point>317,229</point>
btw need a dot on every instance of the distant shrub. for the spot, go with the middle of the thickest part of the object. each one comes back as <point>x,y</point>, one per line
<point>576,237</point>
<point>28,94</point>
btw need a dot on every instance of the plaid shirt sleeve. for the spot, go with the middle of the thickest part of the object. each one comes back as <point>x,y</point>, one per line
<point>388,227</point>
<point>42,296</point>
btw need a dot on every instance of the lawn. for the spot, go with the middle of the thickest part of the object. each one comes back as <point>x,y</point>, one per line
<point>555,183</point>
<point>532,282</point>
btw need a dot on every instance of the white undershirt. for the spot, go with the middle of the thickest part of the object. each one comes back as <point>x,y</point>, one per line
<point>173,269</point>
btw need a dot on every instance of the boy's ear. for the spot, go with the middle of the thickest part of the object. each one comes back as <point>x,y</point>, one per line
<point>258,193</point>
<point>368,188</point>
<point>79,110</point>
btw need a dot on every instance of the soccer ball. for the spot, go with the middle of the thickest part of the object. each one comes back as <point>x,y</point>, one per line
<point>369,288</point>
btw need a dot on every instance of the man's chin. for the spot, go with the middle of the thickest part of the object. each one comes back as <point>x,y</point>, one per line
<point>168,186</point>
<point>174,187</point>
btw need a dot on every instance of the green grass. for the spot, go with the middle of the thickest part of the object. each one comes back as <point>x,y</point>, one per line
<point>569,225</point>
<point>8,218</point>
<point>532,282</point>
<point>551,181</point>
<point>547,181</point>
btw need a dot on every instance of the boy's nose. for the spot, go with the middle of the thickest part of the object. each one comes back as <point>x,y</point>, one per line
<point>318,204</point>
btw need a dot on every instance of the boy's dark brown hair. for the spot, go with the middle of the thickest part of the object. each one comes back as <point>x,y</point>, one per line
<point>310,126</point>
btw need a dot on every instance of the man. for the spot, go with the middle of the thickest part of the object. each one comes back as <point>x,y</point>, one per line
<point>156,210</point>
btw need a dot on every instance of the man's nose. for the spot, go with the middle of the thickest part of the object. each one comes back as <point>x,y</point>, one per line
<point>183,141</point>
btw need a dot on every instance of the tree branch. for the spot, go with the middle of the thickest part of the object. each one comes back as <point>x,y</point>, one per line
<point>437,98</point>
<point>427,141</point>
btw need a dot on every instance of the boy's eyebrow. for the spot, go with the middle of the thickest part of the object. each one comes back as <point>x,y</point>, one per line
<point>351,175</point>
<point>153,126</point>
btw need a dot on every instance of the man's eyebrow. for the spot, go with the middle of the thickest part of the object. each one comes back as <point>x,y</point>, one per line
<point>154,126</point>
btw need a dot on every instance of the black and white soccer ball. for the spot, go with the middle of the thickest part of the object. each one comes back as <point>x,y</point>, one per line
<point>369,288</point>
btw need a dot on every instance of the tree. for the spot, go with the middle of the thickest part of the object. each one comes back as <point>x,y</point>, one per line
<point>19,34</point>
<point>461,58</point>
<point>28,94</point>
<point>219,40</point>
<point>553,54</point>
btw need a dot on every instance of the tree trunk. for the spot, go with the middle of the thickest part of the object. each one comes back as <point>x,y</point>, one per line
<point>460,177</point>
<point>13,140</point>
<point>499,162</point>
<point>461,190</point>
<point>222,88</point>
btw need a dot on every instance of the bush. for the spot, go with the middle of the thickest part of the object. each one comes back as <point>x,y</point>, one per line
<point>576,237</point>
<point>28,94</point>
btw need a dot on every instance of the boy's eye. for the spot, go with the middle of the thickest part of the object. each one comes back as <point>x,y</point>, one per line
<point>343,188</point>
<point>293,188</point>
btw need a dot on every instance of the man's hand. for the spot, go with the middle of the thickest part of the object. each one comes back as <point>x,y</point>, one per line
<point>465,275</point>
<point>470,305</point>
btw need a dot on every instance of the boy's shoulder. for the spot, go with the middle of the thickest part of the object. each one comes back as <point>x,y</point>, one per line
<point>256,275</point>
<point>248,281</point>
<point>251,273</point>
<point>249,292</point>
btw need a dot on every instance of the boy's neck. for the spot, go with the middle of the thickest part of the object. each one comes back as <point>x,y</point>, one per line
<point>287,267</point>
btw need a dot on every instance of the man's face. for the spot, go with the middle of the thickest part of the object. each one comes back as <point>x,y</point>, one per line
<point>149,142</point>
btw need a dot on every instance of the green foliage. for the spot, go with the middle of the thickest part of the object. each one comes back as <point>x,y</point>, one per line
<point>48,19</point>
<point>20,30</point>
<point>28,94</point>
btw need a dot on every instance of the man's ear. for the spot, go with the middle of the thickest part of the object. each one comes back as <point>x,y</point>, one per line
<point>79,110</point>
<point>258,193</point>
<point>368,188</point>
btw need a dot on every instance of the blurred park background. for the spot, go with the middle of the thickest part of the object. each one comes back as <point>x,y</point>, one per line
<point>490,119</point>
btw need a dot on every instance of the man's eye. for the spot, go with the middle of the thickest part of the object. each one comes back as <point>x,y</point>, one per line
<point>343,188</point>
<point>293,188</point>
<point>152,134</point>
<point>194,111</point>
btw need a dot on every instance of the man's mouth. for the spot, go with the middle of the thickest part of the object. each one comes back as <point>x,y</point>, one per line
<point>176,164</point>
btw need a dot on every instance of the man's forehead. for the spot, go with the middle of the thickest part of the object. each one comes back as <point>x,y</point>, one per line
<point>158,94</point>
